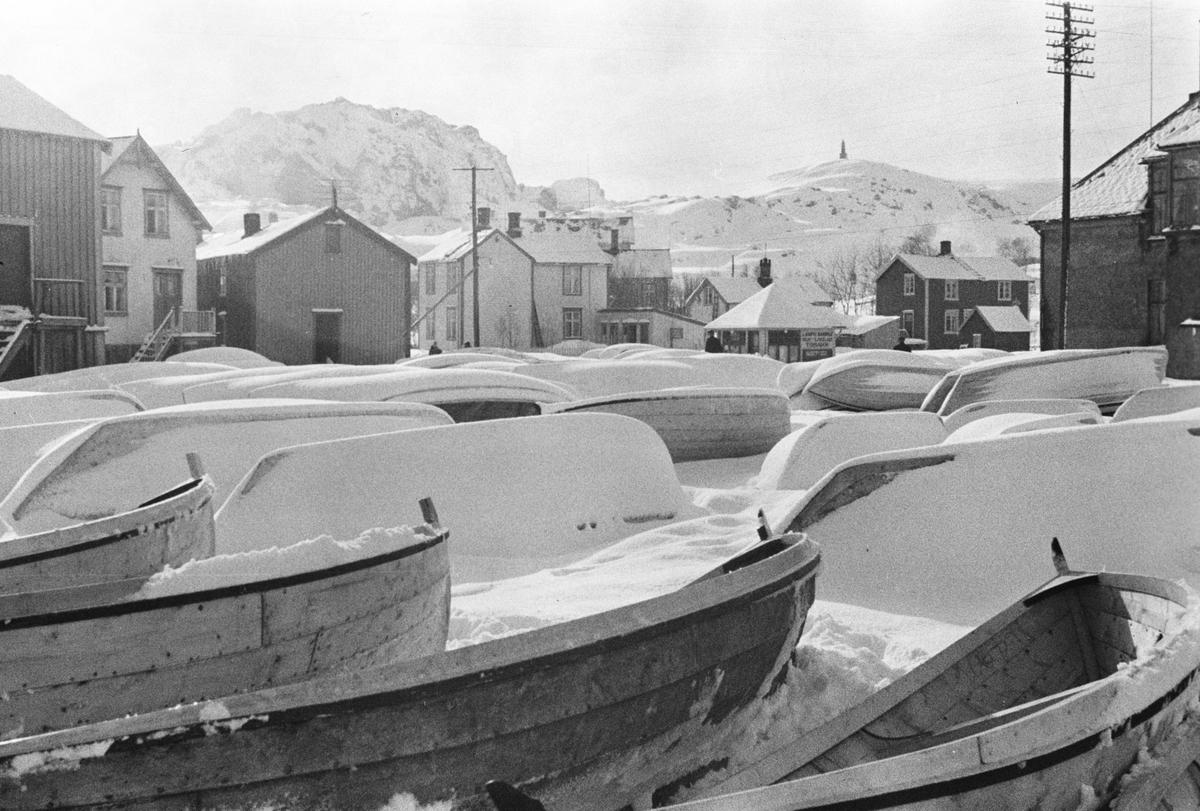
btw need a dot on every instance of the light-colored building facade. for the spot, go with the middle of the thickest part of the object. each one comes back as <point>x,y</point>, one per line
<point>716,295</point>
<point>535,289</point>
<point>149,231</point>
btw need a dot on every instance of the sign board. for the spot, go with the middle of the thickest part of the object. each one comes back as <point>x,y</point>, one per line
<point>816,344</point>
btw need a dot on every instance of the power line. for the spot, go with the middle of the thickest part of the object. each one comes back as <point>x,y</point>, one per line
<point>1072,52</point>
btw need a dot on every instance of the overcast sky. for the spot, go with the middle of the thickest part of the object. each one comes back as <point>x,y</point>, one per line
<point>645,96</point>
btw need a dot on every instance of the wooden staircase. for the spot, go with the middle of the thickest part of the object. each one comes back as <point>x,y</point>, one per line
<point>158,342</point>
<point>16,330</point>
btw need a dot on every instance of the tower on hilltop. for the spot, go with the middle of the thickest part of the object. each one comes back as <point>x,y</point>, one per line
<point>843,156</point>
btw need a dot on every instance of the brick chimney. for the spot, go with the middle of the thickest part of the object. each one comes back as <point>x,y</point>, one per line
<point>484,217</point>
<point>514,224</point>
<point>251,224</point>
<point>945,248</point>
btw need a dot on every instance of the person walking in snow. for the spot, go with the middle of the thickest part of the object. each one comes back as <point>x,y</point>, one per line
<point>713,344</point>
<point>434,349</point>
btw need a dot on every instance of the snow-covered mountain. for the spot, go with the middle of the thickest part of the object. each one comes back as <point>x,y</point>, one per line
<point>395,169</point>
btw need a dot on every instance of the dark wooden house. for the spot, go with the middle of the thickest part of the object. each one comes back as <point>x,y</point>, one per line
<point>1004,328</point>
<point>1134,276</point>
<point>935,295</point>
<point>49,237</point>
<point>316,288</point>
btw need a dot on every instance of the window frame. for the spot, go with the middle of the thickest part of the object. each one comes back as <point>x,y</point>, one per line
<point>110,200</point>
<point>1184,186</point>
<point>162,222</point>
<point>431,280</point>
<point>950,286</point>
<point>431,325</point>
<point>910,284</point>
<point>452,324</point>
<point>572,278</point>
<point>951,316</point>
<point>122,289</point>
<point>1004,290</point>
<point>572,314</point>
<point>1158,179</point>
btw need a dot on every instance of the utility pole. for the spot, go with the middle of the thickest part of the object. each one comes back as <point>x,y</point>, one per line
<point>474,255</point>
<point>1070,52</point>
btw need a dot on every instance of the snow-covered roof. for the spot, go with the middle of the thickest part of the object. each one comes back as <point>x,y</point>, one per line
<point>456,245</point>
<point>22,109</point>
<point>973,268</point>
<point>1004,319</point>
<point>731,289</point>
<point>1118,187</point>
<point>862,324</point>
<point>784,304</point>
<point>134,147</point>
<point>563,247</point>
<point>234,243</point>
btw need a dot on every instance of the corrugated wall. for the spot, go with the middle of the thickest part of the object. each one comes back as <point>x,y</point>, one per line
<point>365,280</point>
<point>53,183</point>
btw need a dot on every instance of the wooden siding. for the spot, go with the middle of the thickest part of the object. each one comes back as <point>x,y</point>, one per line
<point>294,275</point>
<point>237,328</point>
<point>52,184</point>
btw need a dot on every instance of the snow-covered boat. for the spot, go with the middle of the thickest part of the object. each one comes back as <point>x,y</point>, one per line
<point>1046,706</point>
<point>19,408</point>
<point>701,423</point>
<point>467,395</point>
<point>219,626</point>
<point>1158,401</point>
<point>991,408</point>
<point>876,379</point>
<point>1107,377</point>
<point>169,530</point>
<point>100,468</point>
<point>618,703</point>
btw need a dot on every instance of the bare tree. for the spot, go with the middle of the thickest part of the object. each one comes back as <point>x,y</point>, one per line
<point>920,242</point>
<point>1018,249</point>
<point>848,274</point>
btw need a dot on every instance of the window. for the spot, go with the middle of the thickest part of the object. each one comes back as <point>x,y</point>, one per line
<point>1159,214</point>
<point>572,322</point>
<point>452,324</point>
<point>223,279</point>
<point>907,320</point>
<point>977,340</point>
<point>116,290</point>
<point>708,296</point>
<point>333,236</point>
<point>452,276</point>
<point>951,289</point>
<point>431,279</point>
<point>1185,189</point>
<point>910,284</point>
<point>110,210</point>
<point>431,326</point>
<point>1004,291</point>
<point>952,322</point>
<point>572,280</point>
<point>157,213</point>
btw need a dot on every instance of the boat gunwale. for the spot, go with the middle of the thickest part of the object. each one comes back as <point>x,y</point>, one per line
<point>804,793</point>
<point>167,505</point>
<point>681,393</point>
<point>495,660</point>
<point>127,607</point>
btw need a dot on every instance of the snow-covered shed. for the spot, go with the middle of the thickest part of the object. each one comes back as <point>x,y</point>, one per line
<point>782,322</point>
<point>1004,328</point>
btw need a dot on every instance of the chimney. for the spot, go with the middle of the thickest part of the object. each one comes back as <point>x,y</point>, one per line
<point>764,272</point>
<point>272,217</point>
<point>514,224</point>
<point>251,223</point>
<point>945,248</point>
<point>484,217</point>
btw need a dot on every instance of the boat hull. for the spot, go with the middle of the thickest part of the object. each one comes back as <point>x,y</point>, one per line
<point>72,656</point>
<point>622,703</point>
<point>169,530</point>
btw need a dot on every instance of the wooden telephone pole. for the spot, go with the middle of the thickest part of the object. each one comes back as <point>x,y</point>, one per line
<point>1069,52</point>
<point>474,257</point>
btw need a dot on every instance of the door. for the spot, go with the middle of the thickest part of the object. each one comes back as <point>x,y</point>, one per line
<point>168,293</point>
<point>327,337</point>
<point>16,280</point>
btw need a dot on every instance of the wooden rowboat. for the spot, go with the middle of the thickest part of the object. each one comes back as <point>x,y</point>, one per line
<point>700,423</point>
<point>622,702</point>
<point>1046,706</point>
<point>78,655</point>
<point>168,530</point>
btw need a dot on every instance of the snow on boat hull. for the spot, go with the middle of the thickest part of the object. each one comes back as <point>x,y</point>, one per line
<point>702,423</point>
<point>171,529</point>
<point>1040,708</point>
<point>1107,377</point>
<point>619,703</point>
<point>876,380</point>
<point>75,656</point>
